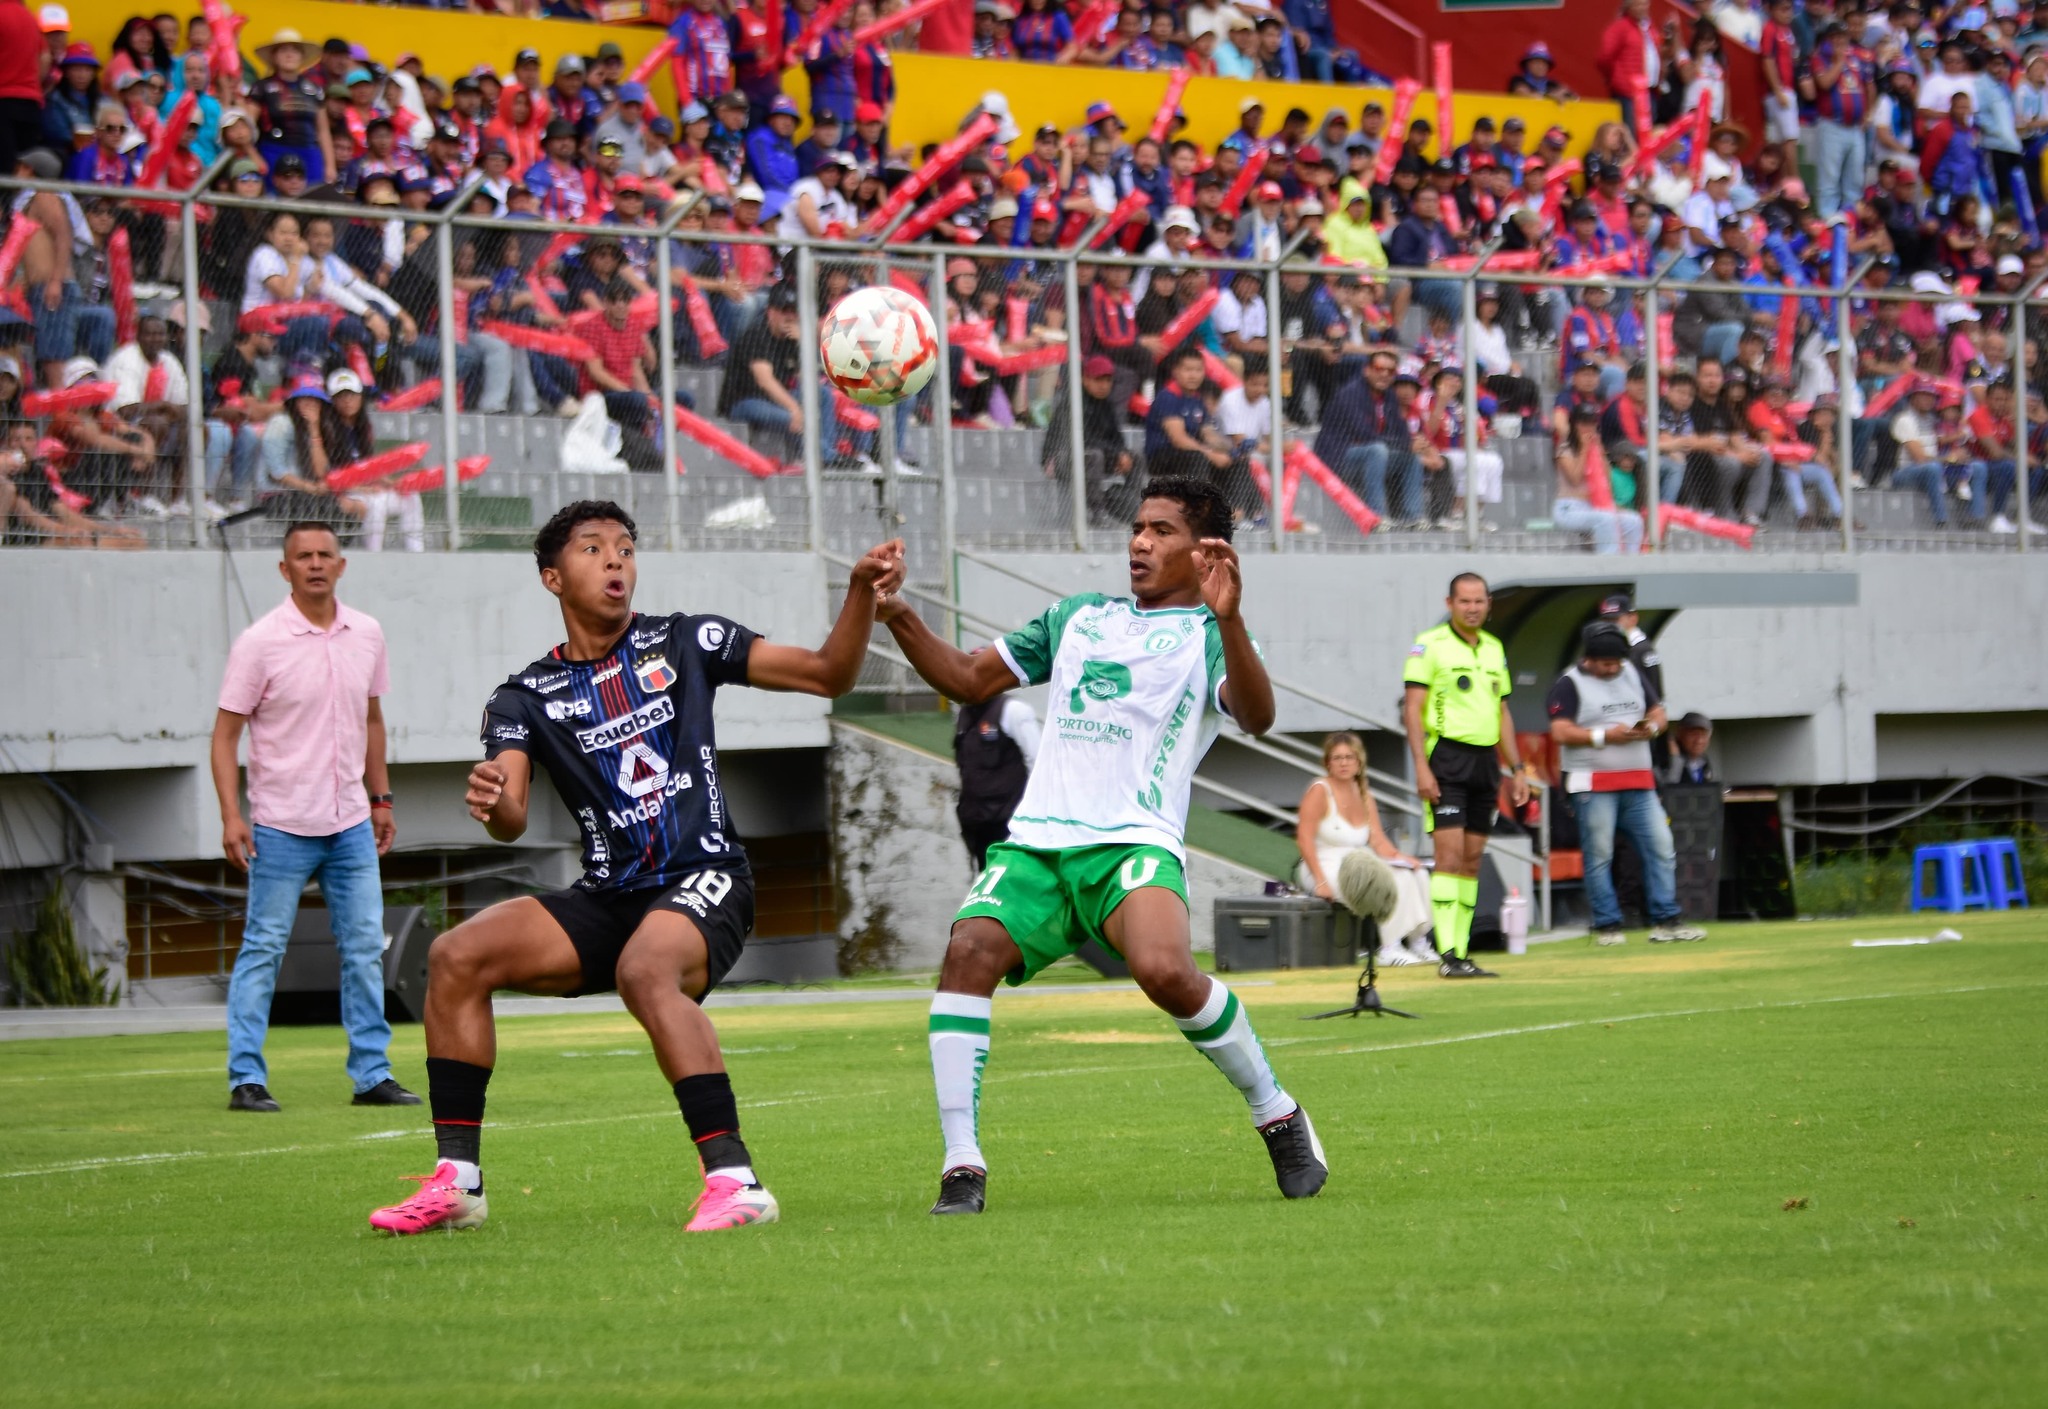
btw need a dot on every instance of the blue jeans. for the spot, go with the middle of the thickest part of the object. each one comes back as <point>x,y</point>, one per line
<point>346,864</point>
<point>1640,814</point>
<point>1720,340</point>
<point>75,327</point>
<point>1613,530</point>
<point>1811,475</point>
<point>1838,166</point>
<point>232,455</point>
<point>1365,469</point>
<point>1929,479</point>
<point>2004,477</point>
<point>763,414</point>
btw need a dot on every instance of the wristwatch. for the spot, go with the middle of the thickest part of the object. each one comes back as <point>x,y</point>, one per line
<point>381,799</point>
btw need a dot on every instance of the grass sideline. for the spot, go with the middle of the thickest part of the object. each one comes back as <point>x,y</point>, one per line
<point>1769,1169</point>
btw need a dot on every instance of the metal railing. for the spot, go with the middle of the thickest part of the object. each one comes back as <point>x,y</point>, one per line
<point>987,491</point>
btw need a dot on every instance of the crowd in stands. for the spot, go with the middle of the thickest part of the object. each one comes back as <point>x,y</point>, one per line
<point>1372,333</point>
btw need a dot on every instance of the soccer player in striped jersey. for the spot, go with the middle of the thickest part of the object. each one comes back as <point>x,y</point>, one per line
<point>620,717</point>
<point>1139,686</point>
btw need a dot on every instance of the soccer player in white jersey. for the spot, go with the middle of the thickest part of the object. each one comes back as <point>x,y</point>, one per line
<point>1139,685</point>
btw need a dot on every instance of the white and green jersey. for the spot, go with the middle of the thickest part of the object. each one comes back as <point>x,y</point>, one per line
<point>1136,700</point>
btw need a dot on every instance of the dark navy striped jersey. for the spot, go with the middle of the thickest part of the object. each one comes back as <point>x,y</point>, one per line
<point>629,744</point>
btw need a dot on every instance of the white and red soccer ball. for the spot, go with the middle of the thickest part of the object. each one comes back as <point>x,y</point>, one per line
<point>879,346</point>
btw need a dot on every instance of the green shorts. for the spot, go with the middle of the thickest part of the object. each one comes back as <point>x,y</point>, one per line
<point>1053,902</point>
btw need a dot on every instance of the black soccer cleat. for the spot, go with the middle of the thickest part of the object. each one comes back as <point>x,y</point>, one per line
<point>385,1093</point>
<point>1298,1164</point>
<point>962,1190</point>
<point>1454,966</point>
<point>251,1096</point>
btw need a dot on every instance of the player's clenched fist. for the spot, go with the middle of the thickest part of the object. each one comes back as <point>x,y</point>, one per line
<point>882,570</point>
<point>486,787</point>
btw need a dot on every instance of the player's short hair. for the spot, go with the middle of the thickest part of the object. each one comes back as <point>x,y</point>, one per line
<point>554,534</point>
<point>1468,577</point>
<point>307,526</point>
<point>1205,510</point>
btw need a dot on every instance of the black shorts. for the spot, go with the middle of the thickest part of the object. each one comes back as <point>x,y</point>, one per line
<point>1470,784</point>
<point>599,922</point>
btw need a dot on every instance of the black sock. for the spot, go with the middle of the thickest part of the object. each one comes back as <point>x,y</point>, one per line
<point>714,1119</point>
<point>455,1091</point>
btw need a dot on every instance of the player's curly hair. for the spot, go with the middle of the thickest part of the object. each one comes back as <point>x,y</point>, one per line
<point>554,534</point>
<point>1205,509</point>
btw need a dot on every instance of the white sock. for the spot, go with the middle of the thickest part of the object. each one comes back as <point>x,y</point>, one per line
<point>1223,1032</point>
<point>742,1172</point>
<point>959,1040</point>
<point>468,1177</point>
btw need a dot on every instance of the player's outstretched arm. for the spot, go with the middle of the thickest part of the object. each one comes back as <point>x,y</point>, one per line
<point>960,677</point>
<point>1247,689</point>
<point>832,669</point>
<point>498,792</point>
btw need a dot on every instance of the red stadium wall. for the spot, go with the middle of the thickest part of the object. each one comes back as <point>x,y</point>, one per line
<point>1488,40</point>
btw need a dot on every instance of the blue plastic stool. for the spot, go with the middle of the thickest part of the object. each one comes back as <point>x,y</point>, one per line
<point>2002,875</point>
<point>1959,877</point>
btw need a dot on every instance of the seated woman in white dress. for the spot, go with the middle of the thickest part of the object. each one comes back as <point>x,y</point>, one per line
<point>1338,814</point>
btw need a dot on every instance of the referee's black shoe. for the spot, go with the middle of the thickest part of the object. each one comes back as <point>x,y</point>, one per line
<point>1298,1164</point>
<point>962,1190</point>
<point>1454,966</point>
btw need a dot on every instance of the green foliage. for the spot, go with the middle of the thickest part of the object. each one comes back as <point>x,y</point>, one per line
<point>1880,882</point>
<point>47,969</point>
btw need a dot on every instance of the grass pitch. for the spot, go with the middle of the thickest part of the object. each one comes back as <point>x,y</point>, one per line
<point>1769,1169</point>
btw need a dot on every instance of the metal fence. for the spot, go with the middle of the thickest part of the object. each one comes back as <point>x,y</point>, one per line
<point>983,459</point>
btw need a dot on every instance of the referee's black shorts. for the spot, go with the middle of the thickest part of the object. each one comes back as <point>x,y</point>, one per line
<point>1469,784</point>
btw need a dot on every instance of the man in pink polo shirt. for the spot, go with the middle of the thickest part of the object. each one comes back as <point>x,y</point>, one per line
<point>306,680</point>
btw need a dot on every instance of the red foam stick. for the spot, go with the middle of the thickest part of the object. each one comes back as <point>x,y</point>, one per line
<point>1511,262</point>
<point>652,60</point>
<point>1017,311</point>
<point>1185,321</point>
<point>434,476</point>
<point>1246,175</point>
<point>1264,481</point>
<point>1702,125</point>
<point>1895,391</point>
<point>121,285</point>
<point>1788,336</point>
<point>566,345</point>
<point>426,393</point>
<point>1009,364</point>
<point>1303,460</point>
<point>1218,371</point>
<point>18,235</point>
<point>52,450</point>
<point>1708,524</point>
<point>1440,70</point>
<point>949,155</point>
<point>1648,152</point>
<point>74,398</point>
<point>1290,489</point>
<point>69,498</point>
<point>1093,22</point>
<point>155,383</point>
<point>1124,213</point>
<point>461,316</point>
<point>902,19</point>
<point>1162,118</point>
<point>376,467</point>
<point>710,341</point>
<point>822,19</point>
<point>1639,91</point>
<point>175,122</point>
<point>1138,406</point>
<point>1599,487</point>
<point>1397,129</point>
<point>272,317</point>
<point>1792,452</point>
<point>922,220</point>
<point>359,363</point>
<point>731,447</point>
<point>713,177</point>
<point>1612,263</point>
<point>852,414</point>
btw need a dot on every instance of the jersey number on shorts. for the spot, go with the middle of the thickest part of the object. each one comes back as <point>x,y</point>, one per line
<point>712,885</point>
<point>1138,871</point>
<point>984,887</point>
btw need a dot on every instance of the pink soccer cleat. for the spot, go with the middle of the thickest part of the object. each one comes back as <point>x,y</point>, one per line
<point>438,1204</point>
<point>727,1203</point>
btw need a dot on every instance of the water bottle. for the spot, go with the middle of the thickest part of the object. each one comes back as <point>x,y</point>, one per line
<point>1514,921</point>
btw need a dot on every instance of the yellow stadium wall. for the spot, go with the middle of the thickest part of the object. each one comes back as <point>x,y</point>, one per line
<point>935,91</point>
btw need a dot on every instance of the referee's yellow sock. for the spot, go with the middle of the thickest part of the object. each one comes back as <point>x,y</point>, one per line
<point>1468,901</point>
<point>1443,904</point>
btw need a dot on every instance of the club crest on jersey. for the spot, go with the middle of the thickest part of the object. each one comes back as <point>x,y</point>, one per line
<point>655,673</point>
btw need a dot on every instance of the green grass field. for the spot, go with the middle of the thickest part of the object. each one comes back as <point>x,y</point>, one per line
<point>1769,1169</point>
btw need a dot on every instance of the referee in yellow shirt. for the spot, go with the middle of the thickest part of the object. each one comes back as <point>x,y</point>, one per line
<point>1455,709</point>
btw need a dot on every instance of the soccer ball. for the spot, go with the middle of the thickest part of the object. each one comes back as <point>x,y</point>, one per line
<point>879,346</point>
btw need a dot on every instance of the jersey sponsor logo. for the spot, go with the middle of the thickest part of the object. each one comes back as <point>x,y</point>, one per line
<point>600,851</point>
<point>710,636</point>
<point>1101,680</point>
<point>651,790</point>
<point>546,684</point>
<point>1086,626</point>
<point>714,796</point>
<point>607,673</point>
<point>1418,649</point>
<point>626,726</point>
<point>655,673</point>
<point>1152,796</point>
<point>1135,628</point>
<point>568,709</point>
<point>509,733</point>
<point>1138,871</point>
<point>653,636</point>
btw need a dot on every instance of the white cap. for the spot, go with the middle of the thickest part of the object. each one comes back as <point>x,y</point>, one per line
<point>131,140</point>
<point>748,191</point>
<point>230,116</point>
<point>10,368</point>
<point>1180,215</point>
<point>1309,206</point>
<point>1949,314</point>
<point>997,106</point>
<point>54,18</point>
<point>341,379</point>
<point>2011,264</point>
<point>1715,167</point>
<point>1926,281</point>
<point>80,369</point>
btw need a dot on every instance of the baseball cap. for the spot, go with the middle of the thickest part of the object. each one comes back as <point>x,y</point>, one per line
<point>1268,191</point>
<point>748,191</point>
<point>526,56</point>
<point>630,92</point>
<point>2011,264</point>
<point>1043,209</point>
<point>1617,603</point>
<point>695,112</point>
<point>1178,215</point>
<point>611,147</point>
<point>1309,205</point>
<point>304,384</point>
<point>446,132</point>
<point>867,112</point>
<point>569,63</point>
<point>1603,640</point>
<point>731,99</point>
<point>1097,112</point>
<point>627,181</point>
<point>1098,366</point>
<point>558,128</point>
<point>609,50</point>
<point>783,106</point>
<point>1693,719</point>
<point>358,75</point>
<point>1247,105</point>
<point>845,160</point>
<point>1002,209</point>
<point>341,379</point>
<point>9,367</point>
<point>245,167</point>
<point>1513,124</point>
<point>54,19</point>
<point>662,127</point>
<point>289,164</point>
<point>956,267</point>
<point>1556,137</point>
<point>823,115</point>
